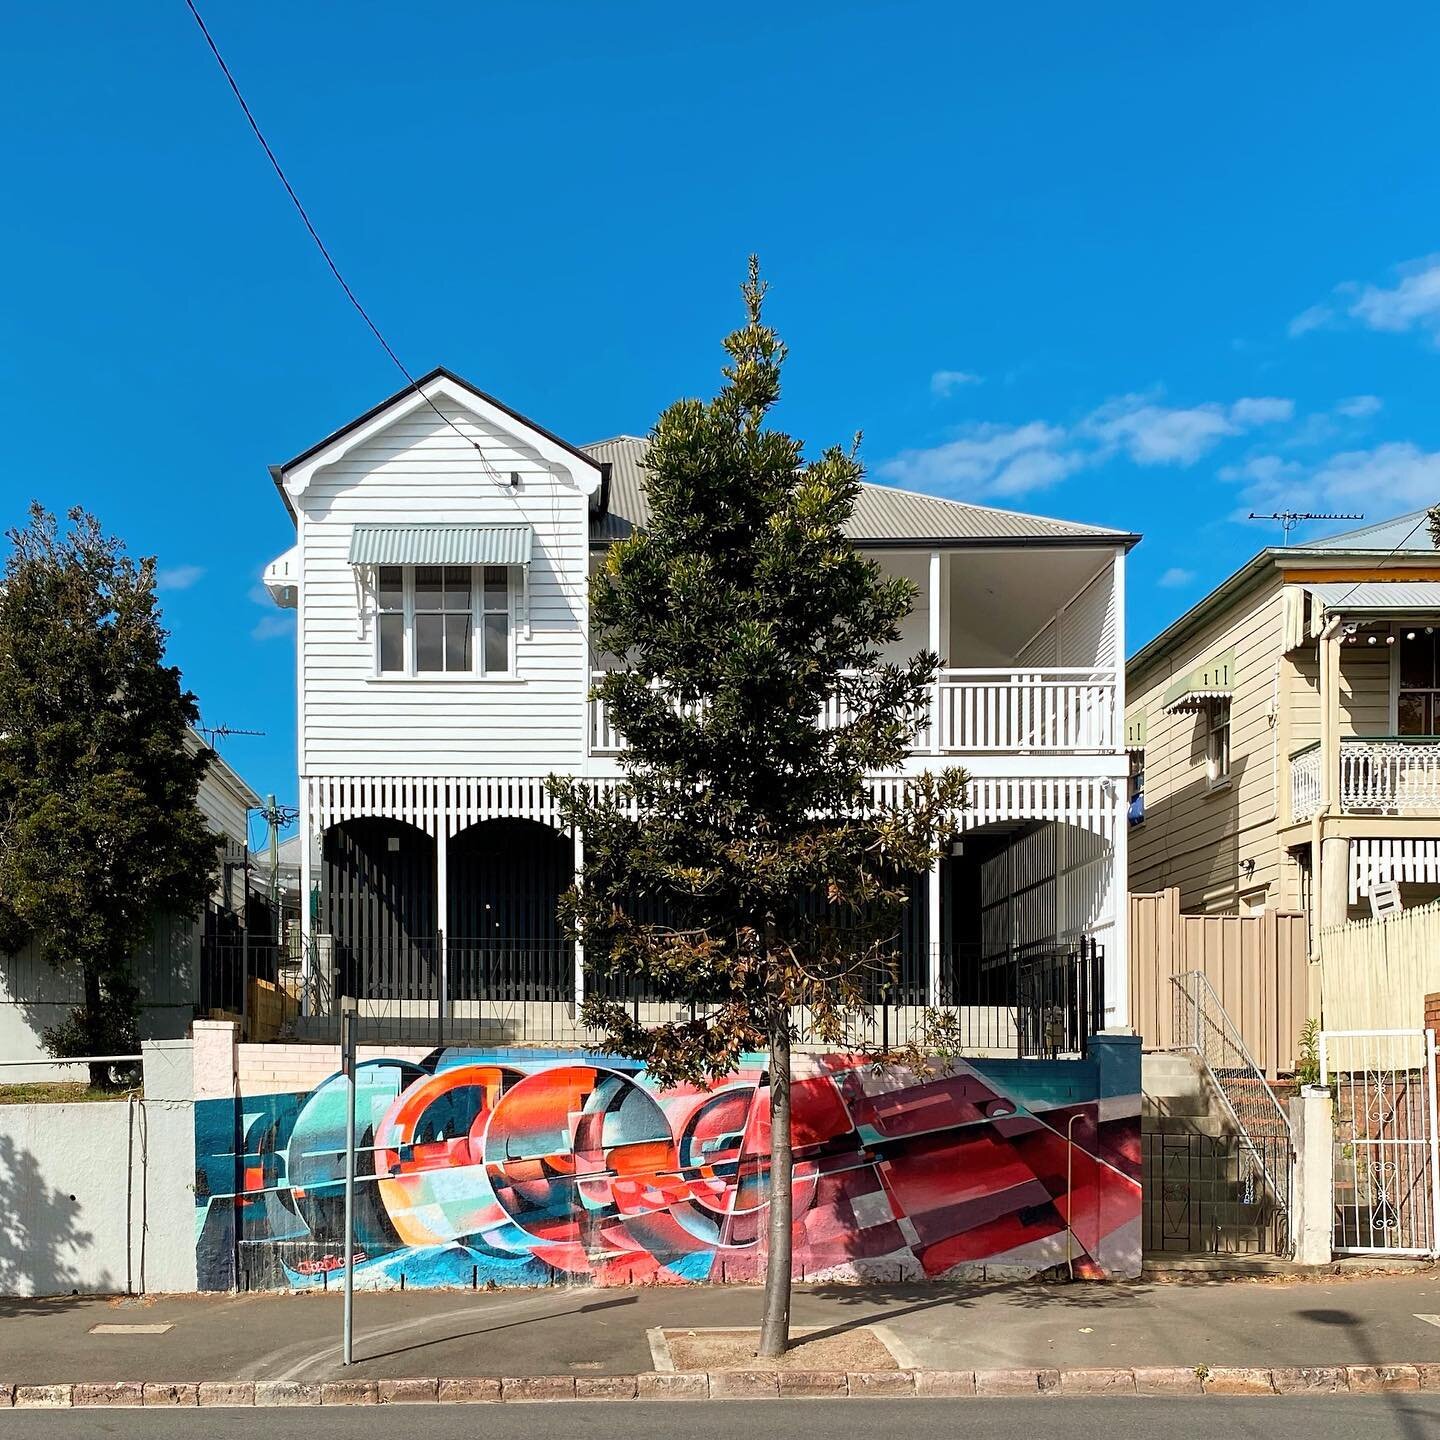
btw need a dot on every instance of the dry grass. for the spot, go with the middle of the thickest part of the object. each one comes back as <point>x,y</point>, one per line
<point>54,1092</point>
<point>859,1349</point>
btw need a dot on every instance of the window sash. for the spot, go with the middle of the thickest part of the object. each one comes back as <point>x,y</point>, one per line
<point>453,613</point>
<point>1218,743</point>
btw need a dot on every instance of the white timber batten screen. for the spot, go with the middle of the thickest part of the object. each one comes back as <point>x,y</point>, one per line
<point>1374,862</point>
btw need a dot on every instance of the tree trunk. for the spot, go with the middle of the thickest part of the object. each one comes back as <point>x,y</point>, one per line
<point>775,1323</point>
<point>99,1074</point>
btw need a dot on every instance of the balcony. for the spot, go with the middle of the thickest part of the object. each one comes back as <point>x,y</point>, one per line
<point>1392,775</point>
<point>1059,710</point>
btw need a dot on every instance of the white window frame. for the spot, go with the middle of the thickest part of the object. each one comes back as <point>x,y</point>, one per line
<point>1398,629</point>
<point>1214,725</point>
<point>478,611</point>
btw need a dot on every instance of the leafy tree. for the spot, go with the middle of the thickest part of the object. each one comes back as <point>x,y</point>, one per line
<point>743,862</point>
<point>100,833</point>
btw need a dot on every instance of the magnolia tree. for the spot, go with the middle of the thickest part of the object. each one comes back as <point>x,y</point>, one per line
<point>100,835</point>
<point>744,864</point>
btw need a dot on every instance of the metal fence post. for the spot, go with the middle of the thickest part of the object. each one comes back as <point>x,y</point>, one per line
<point>349,1016</point>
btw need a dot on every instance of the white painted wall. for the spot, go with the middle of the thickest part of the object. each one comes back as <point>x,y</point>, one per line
<point>419,471</point>
<point>99,1198</point>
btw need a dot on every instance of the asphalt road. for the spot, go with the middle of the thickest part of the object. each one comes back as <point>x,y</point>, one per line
<point>1397,1417</point>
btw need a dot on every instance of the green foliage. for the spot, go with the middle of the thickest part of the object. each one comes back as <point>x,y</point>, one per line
<point>99,828</point>
<point>1307,1069</point>
<point>742,864</point>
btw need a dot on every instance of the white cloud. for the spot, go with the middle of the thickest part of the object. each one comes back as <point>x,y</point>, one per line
<point>1359,407</point>
<point>178,577</point>
<point>1411,303</point>
<point>986,461</point>
<point>1317,317</point>
<point>1176,578</point>
<point>1383,480</point>
<point>272,627</point>
<point>1154,434</point>
<point>944,383</point>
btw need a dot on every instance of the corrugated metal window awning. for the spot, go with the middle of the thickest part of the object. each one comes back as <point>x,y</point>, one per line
<point>1378,597</point>
<point>1191,700</point>
<point>441,544</point>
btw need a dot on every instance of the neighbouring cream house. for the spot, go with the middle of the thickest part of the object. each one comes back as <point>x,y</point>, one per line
<point>1284,732</point>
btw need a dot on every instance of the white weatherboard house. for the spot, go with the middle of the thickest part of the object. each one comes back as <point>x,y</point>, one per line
<point>440,569</point>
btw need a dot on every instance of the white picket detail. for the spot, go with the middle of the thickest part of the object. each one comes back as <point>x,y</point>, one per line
<point>1055,710</point>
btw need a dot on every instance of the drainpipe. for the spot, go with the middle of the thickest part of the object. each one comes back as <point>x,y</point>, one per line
<point>1329,681</point>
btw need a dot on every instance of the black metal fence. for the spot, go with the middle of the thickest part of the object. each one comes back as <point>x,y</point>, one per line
<point>1041,1002</point>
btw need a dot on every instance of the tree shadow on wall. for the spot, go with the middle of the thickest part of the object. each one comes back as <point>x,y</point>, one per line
<point>39,1229</point>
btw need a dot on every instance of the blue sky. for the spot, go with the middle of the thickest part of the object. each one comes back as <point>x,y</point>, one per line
<point>1141,265</point>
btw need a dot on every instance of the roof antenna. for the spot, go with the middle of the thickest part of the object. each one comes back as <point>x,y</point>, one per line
<point>214,734</point>
<point>1289,519</point>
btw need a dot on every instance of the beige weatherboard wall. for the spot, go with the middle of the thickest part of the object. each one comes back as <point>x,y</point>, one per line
<point>1323,798</point>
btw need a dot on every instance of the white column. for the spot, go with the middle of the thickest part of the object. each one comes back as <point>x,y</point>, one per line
<point>935,642</point>
<point>1117,967</point>
<point>579,948</point>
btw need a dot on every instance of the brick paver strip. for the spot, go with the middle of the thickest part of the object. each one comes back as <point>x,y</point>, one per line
<point>679,1385</point>
<point>1238,1380</point>
<point>43,1397</point>
<point>468,1392</point>
<point>813,1384</point>
<point>119,1393</point>
<point>166,1393</point>
<point>944,1384</point>
<point>1374,1379</point>
<point>349,1392</point>
<point>227,1392</point>
<point>744,1385</point>
<point>1429,1377</point>
<point>1097,1382</point>
<point>1015,1382</point>
<point>7,1395</point>
<point>1308,1380</point>
<point>405,1392</point>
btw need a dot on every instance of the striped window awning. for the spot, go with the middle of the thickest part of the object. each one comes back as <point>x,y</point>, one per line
<point>1202,687</point>
<point>441,544</point>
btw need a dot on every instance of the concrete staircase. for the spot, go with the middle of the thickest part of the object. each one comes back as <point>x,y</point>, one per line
<point>1200,1199</point>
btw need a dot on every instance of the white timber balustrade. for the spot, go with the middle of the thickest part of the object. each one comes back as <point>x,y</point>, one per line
<point>1054,710</point>
<point>1399,775</point>
<point>1305,783</point>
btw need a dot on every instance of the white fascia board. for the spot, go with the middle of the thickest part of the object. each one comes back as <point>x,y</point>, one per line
<point>585,475</point>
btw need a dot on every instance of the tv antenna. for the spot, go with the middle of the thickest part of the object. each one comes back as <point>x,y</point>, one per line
<point>214,734</point>
<point>1289,519</point>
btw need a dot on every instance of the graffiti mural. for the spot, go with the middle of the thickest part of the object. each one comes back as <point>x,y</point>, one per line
<point>505,1167</point>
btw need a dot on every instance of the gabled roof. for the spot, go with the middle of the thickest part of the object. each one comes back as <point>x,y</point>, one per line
<point>1403,533</point>
<point>1374,545</point>
<point>883,514</point>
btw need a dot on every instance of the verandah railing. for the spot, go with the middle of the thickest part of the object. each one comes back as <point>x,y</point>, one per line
<point>1042,1001</point>
<point>1389,774</point>
<point>976,711</point>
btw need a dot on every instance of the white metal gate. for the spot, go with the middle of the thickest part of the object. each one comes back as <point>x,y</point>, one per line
<point>1386,1151</point>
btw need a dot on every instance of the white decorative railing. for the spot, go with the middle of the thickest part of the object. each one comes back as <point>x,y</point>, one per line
<point>1053,710</point>
<point>1389,774</point>
<point>1305,783</point>
<point>1396,775</point>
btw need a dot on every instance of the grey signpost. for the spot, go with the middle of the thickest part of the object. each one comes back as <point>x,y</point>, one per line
<point>348,1017</point>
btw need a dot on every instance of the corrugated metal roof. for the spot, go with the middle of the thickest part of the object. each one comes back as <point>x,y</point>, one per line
<point>1375,597</point>
<point>1403,533</point>
<point>441,544</point>
<point>881,513</point>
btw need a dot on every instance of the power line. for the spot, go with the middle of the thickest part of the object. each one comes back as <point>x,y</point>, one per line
<point>320,244</point>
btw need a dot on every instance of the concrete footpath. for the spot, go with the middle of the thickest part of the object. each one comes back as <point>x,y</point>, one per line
<point>1361,1321</point>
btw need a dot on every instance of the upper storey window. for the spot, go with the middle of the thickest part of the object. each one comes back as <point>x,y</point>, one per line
<point>1417,705</point>
<point>445,620</point>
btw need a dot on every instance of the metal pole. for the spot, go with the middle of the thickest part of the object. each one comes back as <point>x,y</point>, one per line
<point>348,1018</point>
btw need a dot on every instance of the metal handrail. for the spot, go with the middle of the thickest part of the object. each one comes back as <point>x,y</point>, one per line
<point>1207,1030</point>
